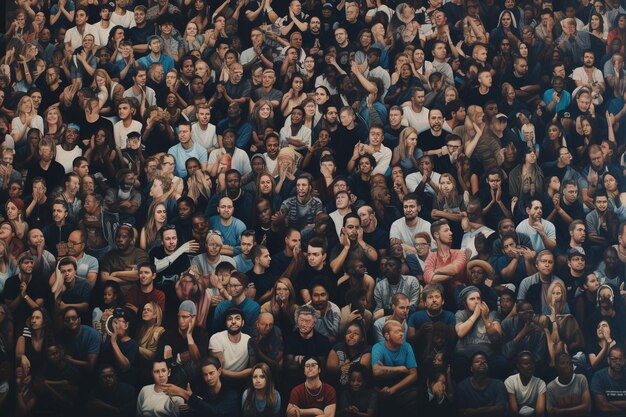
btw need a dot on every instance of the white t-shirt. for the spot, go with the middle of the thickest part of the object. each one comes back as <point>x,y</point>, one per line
<point>239,161</point>
<point>75,39</point>
<point>413,180</point>
<point>126,20</point>
<point>406,234</point>
<point>66,158</point>
<point>205,138</point>
<point>235,354</point>
<point>120,132</point>
<point>36,123</point>
<point>157,404</point>
<point>526,396</point>
<point>103,33</point>
<point>418,121</point>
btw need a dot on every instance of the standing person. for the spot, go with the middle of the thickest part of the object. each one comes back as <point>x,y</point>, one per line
<point>314,397</point>
<point>261,399</point>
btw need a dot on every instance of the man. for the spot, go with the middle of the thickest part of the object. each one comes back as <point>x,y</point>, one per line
<point>327,323</point>
<point>75,292</point>
<point>183,345</point>
<point>479,394</point>
<point>266,344</point>
<point>242,199</point>
<point>58,384</point>
<point>440,60</point>
<point>591,77</point>
<point>231,348</point>
<point>573,42</point>
<point>203,132</point>
<point>39,210</point>
<point>120,349</point>
<point>57,233</point>
<point>156,55</point>
<point>400,313</point>
<point>542,233</point>
<point>68,150</point>
<point>497,194</point>
<point>207,262</point>
<point>394,282</point>
<point>567,210</point>
<point>608,385</point>
<point>46,167</point>
<point>235,119</point>
<point>296,135</point>
<point>124,199</point>
<point>414,114</point>
<point>185,149</point>
<point>405,228</point>
<point>343,202</point>
<point>305,340</point>
<point>120,264</point>
<point>420,323</point>
<point>45,262</point>
<point>145,292</point>
<point>170,259</point>
<point>526,89</point>
<point>432,140</point>
<point>214,398</point>
<point>352,245</point>
<point>445,266</point>
<point>21,292</point>
<point>267,91</point>
<point>244,261</point>
<point>103,26</point>
<point>82,343</point>
<point>300,210</point>
<point>111,397</point>
<point>126,124</point>
<point>262,281</point>
<point>74,36</point>
<point>484,91</point>
<point>532,287</point>
<point>229,227</point>
<point>249,308</point>
<point>568,394</point>
<point>87,265</point>
<point>373,235</point>
<point>521,333</point>
<point>382,154</point>
<point>145,95</point>
<point>512,260</point>
<point>254,53</point>
<point>395,370</point>
<point>301,400</point>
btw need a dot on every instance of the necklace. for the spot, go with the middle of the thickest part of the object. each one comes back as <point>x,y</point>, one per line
<point>319,391</point>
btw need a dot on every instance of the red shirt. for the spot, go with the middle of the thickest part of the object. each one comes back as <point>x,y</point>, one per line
<point>139,299</point>
<point>301,397</point>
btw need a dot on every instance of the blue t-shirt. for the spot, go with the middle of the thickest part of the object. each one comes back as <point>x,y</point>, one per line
<point>417,319</point>
<point>612,389</point>
<point>181,155</point>
<point>469,397</point>
<point>231,235</point>
<point>87,343</point>
<point>402,357</point>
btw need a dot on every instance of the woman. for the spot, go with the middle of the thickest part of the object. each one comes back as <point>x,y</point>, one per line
<point>448,203</point>
<point>527,393</point>
<point>199,189</point>
<point>26,118</point>
<point>597,350</point>
<point>192,39</point>
<point>353,349</point>
<point>25,66</point>
<point>503,61</point>
<point>286,172</point>
<point>160,192</point>
<point>200,14</point>
<point>116,36</point>
<point>360,180</point>
<point>112,297</point>
<point>614,192</point>
<point>266,188</point>
<point>262,121</point>
<point>8,265</point>
<point>407,153</point>
<point>153,399</point>
<point>30,351</point>
<point>477,329</point>
<point>150,330</point>
<point>506,29</point>
<point>53,124</point>
<point>261,399</point>
<point>102,86</point>
<point>450,93</point>
<point>586,134</point>
<point>468,179</point>
<point>294,96</point>
<point>526,179</point>
<point>618,33</point>
<point>282,305</point>
<point>14,209</point>
<point>400,91</point>
<point>101,154</point>
<point>157,218</point>
<point>554,140</point>
<point>596,27</point>
<point>420,67</point>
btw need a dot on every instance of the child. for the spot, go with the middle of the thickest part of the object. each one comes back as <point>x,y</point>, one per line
<point>360,398</point>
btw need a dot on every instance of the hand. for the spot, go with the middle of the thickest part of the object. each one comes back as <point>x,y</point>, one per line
<point>610,118</point>
<point>345,241</point>
<point>192,324</point>
<point>538,227</point>
<point>25,363</point>
<point>23,289</point>
<point>278,217</point>
<point>194,246</point>
<point>355,315</point>
<point>360,235</point>
<point>499,194</point>
<point>484,311</point>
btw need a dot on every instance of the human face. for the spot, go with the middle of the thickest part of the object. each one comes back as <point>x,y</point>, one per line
<point>395,336</point>
<point>305,324</point>
<point>422,247</point>
<point>610,183</point>
<point>264,212</point>
<point>319,297</point>
<point>235,288</point>
<point>315,257</point>
<point>36,320</point>
<point>145,276</point>
<point>535,211</point>
<point>211,375</point>
<point>435,119</point>
<point>122,239</point>
<point>401,310</point>
<point>545,264</point>
<point>156,190</point>
<point>472,301</point>
<point>434,302</point>
<point>477,275</point>
<point>225,209</point>
<point>445,185</point>
<point>265,184</point>
<point>72,320</point>
<point>234,322</point>
<point>601,203</point>
<point>259,379</point>
<point>526,366</point>
<point>616,361</point>
<point>411,209</point>
<point>303,187</point>
<point>109,296</point>
<point>160,373</point>
<point>265,111</point>
<point>58,213</point>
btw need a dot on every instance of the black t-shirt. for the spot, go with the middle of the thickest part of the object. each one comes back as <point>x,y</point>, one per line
<point>88,129</point>
<point>317,345</point>
<point>262,282</point>
<point>41,215</point>
<point>426,141</point>
<point>178,342</point>
<point>53,175</point>
<point>37,288</point>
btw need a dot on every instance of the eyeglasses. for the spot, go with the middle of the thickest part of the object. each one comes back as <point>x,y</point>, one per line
<point>71,318</point>
<point>234,286</point>
<point>310,366</point>
<point>70,243</point>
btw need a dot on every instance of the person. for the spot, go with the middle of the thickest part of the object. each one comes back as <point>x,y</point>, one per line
<point>150,330</point>
<point>607,385</point>
<point>527,393</point>
<point>120,264</point>
<point>231,348</point>
<point>314,395</point>
<point>153,400</point>
<point>568,394</point>
<point>353,350</point>
<point>237,290</point>
<point>145,292</point>
<point>479,393</point>
<point>111,397</point>
<point>360,398</point>
<point>394,282</point>
<point>81,342</point>
<point>120,349</point>
<point>261,398</point>
<point>420,322</point>
<point>213,397</point>
<point>395,370</point>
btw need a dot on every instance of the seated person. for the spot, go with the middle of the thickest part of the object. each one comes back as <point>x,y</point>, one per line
<point>421,322</point>
<point>155,399</point>
<point>250,308</point>
<point>608,385</point>
<point>399,313</point>
<point>568,394</point>
<point>479,394</point>
<point>360,398</point>
<point>110,397</point>
<point>120,264</point>
<point>527,393</point>
<point>231,348</point>
<point>313,397</point>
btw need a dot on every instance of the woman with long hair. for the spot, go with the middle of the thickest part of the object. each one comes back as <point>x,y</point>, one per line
<point>294,96</point>
<point>199,188</point>
<point>101,154</point>
<point>116,36</point>
<point>53,124</point>
<point>7,343</point>
<point>282,304</point>
<point>192,39</point>
<point>407,153</point>
<point>448,204</point>
<point>597,350</point>
<point>586,134</point>
<point>618,33</point>
<point>30,351</point>
<point>553,141</point>
<point>262,121</point>
<point>102,86</point>
<point>420,67</point>
<point>15,211</point>
<point>596,27</point>
<point>150,330</point>
<point>353,348</point>
<point>200,14</point>
<point>360,179</point>
<point>526,179</point>
<point>8,265</point>
<point>261,399</point>
<point>25,65</point>
<point>157,218</point>
<point>468,179</point>
<point>26,118</point>
<point>266,188</point>
<point>506,29</point>
<point>400,91</point>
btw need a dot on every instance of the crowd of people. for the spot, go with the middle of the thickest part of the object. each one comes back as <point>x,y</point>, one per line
<point>318,208</point>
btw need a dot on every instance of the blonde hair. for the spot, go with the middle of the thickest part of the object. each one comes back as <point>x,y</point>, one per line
<point>198,186</point>
<point>33,111</point>
<point>406,132</point>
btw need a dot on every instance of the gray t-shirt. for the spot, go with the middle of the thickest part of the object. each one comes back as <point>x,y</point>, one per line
<point>477,339</point>
<point>566,396</point>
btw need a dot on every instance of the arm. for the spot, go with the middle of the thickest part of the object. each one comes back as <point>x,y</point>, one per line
<point>580,410</point>
<point>609,407</point>
<point>84,365</point>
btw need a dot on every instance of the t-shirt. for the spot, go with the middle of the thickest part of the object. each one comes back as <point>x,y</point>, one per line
<point>157,404</point>
<point>403,356</point>
<point>477,338</point>
<point>181,155</point>
<point>612,389</point>
<point>469,397</point>
<point>317,345</point>
<point>235,354</point>
<point>566,396</point>
<point>525,395</point>
<point>419,318</point>
<point>302,397</point>
<point>83,345</point>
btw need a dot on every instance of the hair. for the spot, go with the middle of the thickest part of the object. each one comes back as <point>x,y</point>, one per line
<point>306,310</point>
<point>269,395</point>
<point>560,307</point>
<point>151,229</point>
<point>430,289</point>
<point>47,326</point>
<point>198,186</point>
<point>291,301</point>
<point>402,146</point>
<point>435,226</point>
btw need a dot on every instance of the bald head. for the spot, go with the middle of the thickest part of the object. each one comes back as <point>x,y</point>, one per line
<point>265,323</point>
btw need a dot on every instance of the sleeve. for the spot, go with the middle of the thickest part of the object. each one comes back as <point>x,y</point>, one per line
<point>411,363</point>
<point>550,399</point>
<point>203,157</point>
<point>501,396</point>
<point>377,353</point>
<point>509,385</point>
<point>378,297</point>
<point>597,386</point>
<point>429,267</point>
<point>94,343</point>
<point>415,292</point>
<point>523,288</point>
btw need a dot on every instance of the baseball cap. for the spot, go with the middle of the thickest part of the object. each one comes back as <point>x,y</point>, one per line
<point>500,116</point>
<point>576,251</point>
<point>189,307</point>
